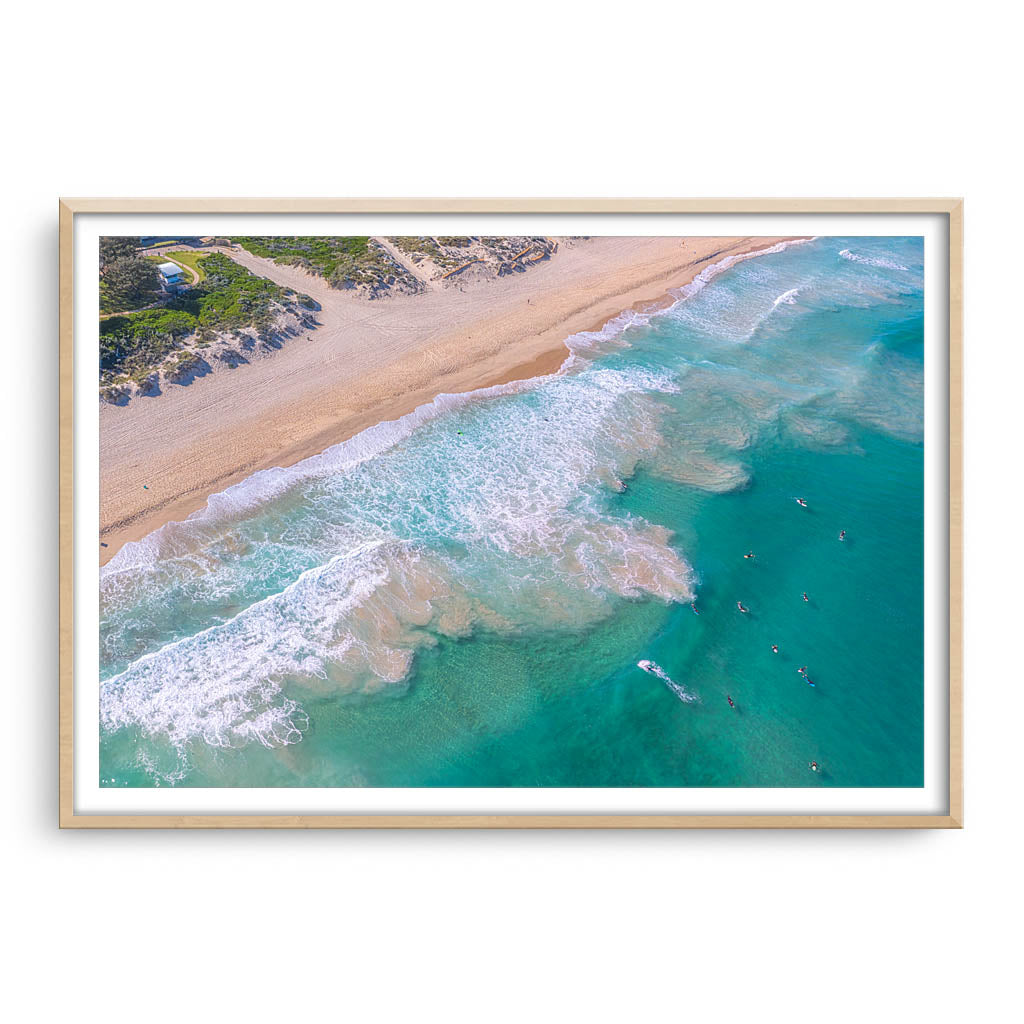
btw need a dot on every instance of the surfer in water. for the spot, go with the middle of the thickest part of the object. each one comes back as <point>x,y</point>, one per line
<point>742,608</point>
<point>802,670</point>
<point>813,765</point>
<point>801,502</point>
<point>842,535</point>
<point>693,605</point>
<point>749,554</point>
<point>729,699</point>
<point>775,648</point>
<point>806,598</point>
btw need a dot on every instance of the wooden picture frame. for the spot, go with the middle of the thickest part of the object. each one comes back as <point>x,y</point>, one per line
<point>952,209</point>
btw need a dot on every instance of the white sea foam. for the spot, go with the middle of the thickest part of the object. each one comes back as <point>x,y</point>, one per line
<point>222,685</point>
<point>872,261</point>
<point>613,331</point>
<point>170,769</point>
<point>788,298</point>
<point>356,622</point>
<point>681,692</point>
<point>466,514</point>
<point>709,273</point>
<point>255,491</point>
<point>433,540</point>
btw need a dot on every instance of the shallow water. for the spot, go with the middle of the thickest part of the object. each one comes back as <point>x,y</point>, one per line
<point>460,598</point>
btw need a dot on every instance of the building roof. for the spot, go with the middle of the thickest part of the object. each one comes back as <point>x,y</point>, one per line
<point>170,269</point>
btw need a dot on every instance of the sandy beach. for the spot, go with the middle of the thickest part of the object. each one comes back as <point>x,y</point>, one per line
<point>161,457</point>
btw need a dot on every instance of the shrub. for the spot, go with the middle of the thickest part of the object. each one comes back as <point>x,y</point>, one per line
<point>228,299</point>
<point>322,254</point>
<point>130,281</point>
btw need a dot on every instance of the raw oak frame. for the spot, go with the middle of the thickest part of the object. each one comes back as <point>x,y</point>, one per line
<point>951,207</point>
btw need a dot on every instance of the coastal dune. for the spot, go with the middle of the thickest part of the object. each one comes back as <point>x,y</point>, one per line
<point>162,457</point>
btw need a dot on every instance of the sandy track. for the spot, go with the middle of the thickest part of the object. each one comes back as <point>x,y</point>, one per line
<point>366,362</point>
<point>406,263</point>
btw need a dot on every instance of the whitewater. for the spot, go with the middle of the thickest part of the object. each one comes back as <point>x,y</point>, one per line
<point>338,587</point>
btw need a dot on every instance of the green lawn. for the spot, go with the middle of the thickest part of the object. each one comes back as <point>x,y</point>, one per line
<point>191,259</point>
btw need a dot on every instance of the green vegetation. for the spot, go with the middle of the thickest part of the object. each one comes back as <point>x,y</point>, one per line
<point>323,255</point>
<point>117,247</point>
<point>420,246</point>
<point>192,260</point>
<point>136,326</point>
<point>229,298</point>
<point>128,282</point>
<point>342,261</point>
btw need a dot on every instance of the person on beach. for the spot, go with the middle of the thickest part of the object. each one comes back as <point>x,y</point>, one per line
<point>739,604</point>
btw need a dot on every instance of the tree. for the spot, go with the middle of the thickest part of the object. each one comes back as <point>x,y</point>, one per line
<point>116,247</point>
<point>130,281</point>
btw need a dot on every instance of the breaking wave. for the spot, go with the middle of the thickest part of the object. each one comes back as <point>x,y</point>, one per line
<point>331,582</point>
<point>872,261</point>
<point>499,510</point>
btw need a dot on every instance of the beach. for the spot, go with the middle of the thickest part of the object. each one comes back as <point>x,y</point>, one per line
<point>370,361</point>
<point>551,583</point>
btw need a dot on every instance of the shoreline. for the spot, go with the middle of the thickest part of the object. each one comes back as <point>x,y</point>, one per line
<point>200,440</point>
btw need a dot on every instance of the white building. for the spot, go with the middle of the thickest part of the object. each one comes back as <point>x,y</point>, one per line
<point>171,276</point>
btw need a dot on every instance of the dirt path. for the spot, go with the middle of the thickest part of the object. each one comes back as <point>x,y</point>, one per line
<point>126,312</point>
<point>186,268</point>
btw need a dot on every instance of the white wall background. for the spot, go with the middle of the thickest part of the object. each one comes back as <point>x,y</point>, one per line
<point>528,99</point>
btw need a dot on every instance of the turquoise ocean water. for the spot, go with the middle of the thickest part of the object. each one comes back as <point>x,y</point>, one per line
<point>461,598</point>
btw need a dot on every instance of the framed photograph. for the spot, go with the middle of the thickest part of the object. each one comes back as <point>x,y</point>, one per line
<point>510,513</point>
